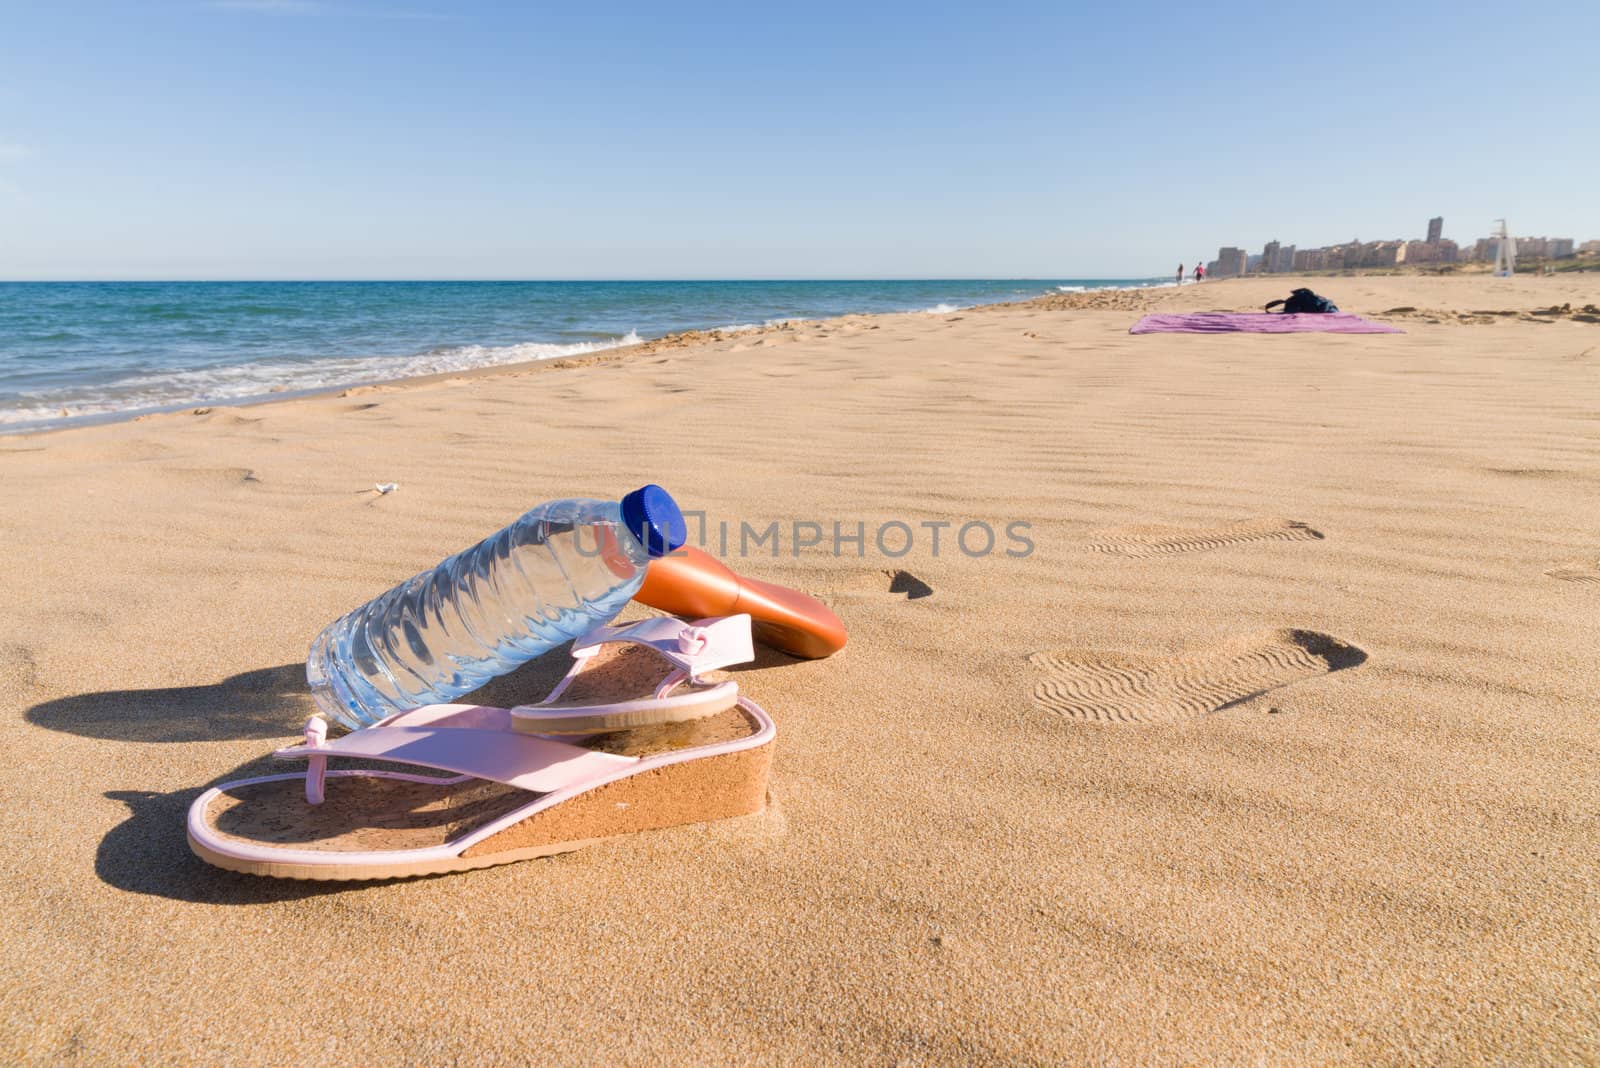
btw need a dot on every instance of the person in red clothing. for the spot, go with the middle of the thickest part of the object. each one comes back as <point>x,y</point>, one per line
<point>1199,273</point>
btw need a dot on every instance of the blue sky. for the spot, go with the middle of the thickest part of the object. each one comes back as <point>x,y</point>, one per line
<point>419,139</point>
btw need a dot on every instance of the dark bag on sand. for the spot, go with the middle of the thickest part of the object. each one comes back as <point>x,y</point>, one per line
<point>1305,302</point>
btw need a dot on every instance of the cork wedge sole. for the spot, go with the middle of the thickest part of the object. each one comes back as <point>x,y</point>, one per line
<point>382,824</point>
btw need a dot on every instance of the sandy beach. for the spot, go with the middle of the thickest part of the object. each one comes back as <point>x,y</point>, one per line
<point>1279,746</point>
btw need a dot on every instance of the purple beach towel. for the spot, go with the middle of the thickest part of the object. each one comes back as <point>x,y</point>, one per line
<point>1259,323</point>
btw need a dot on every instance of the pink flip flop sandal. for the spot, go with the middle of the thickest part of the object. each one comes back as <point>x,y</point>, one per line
<point>484,790</point>
<point>641,675</point>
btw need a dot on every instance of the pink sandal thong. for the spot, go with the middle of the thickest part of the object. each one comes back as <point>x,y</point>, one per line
<point>490,787</point>
<point>643,674</point>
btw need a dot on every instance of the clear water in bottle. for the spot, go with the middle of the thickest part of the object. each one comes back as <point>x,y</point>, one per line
<point>561,569</point>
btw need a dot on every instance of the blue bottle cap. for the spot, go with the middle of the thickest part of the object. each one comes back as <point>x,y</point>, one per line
<point>653,516</point>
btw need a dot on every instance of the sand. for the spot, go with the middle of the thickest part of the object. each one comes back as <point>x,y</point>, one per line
<point>1280,747</point>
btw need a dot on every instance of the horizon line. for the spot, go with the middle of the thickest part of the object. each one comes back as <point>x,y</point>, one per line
<point>584,281</point>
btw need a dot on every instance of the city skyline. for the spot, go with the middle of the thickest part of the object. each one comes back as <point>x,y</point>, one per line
<point>1277,258</point>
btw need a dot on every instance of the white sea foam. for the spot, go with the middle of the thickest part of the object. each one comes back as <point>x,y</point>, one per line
<point>940,309</point>
<point>1129,285</point>
<point>253,381</point>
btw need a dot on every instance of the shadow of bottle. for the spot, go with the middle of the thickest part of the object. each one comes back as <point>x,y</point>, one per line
<point>265,703</point>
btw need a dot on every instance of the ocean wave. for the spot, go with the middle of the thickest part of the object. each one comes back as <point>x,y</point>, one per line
<point>74,352</point>
<point>254,381</point>
<point>1152,283</point>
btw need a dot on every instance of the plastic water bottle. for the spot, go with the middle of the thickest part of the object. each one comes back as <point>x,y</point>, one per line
<point>562,569</point>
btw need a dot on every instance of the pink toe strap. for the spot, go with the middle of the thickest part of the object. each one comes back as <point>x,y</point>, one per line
<point>316,766</point>
<point>460,739</point>
<point>697,647</point>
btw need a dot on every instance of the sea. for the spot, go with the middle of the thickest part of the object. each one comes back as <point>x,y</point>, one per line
<point>77,352</point>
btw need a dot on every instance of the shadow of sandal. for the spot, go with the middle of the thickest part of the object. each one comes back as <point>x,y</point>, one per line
<point>266,703</point>
<point>148,853</point>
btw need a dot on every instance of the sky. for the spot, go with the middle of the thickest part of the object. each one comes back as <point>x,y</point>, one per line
<point>423,139</point>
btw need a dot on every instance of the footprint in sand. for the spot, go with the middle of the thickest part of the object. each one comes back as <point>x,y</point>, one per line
<point>19,671</point>
<point>1528,472</point>
<point>1112,687</point>
<point>141,449</point>
<point>1581,571</point>
<point>1169,541</point>
<point>224,477</point>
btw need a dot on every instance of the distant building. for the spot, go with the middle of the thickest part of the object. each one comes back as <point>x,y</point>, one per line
<point>1533,248</point>
<point>1274,259</point>
<point>1278,258</point>
<point>1333,257</point>
<point>1380,254</point>
<point>1230,263</point>
<point>1348,255</point>
<point>1589,246</point>
<point>1441,251</point>
<point>1357,254</point>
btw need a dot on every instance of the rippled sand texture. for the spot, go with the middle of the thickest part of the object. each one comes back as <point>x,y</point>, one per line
<point>1158,540</point>
<point>1122,688</point>
<point>1280,746</point>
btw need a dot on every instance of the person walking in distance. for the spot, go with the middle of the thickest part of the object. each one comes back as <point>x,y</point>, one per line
<point>1199,273</point>
<point>1180,274</point>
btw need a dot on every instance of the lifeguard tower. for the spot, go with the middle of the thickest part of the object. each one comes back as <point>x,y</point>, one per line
<point>1505,253</point>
